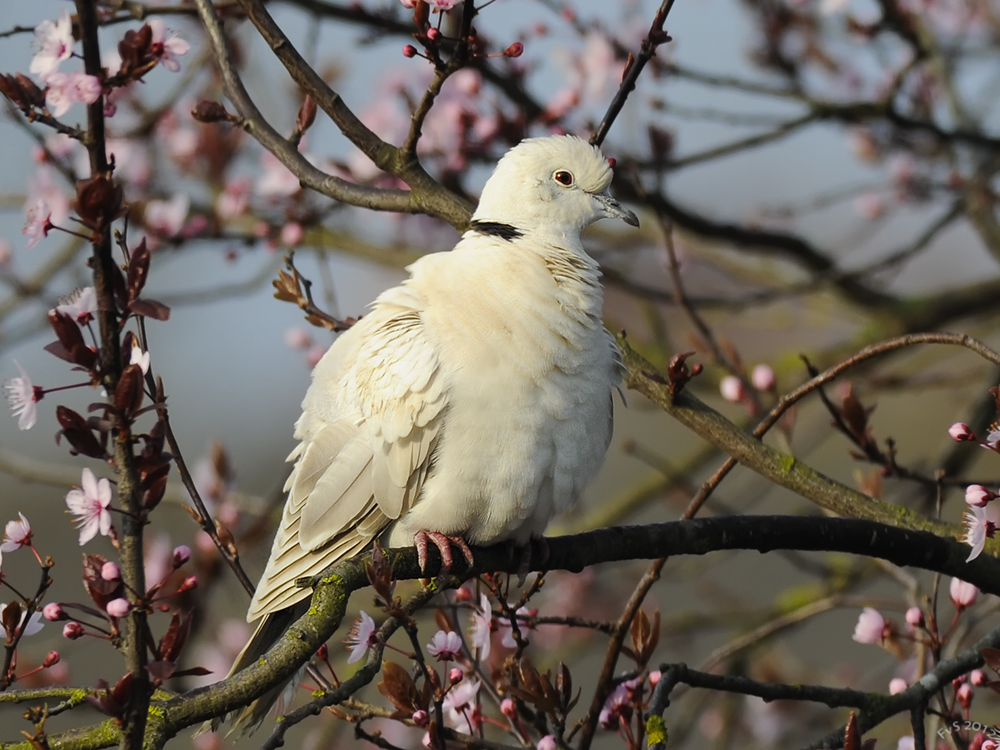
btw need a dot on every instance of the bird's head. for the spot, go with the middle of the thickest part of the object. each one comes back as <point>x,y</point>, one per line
<point>560,182</point>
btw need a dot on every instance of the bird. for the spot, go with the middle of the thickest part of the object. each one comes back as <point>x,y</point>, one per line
<point>470,405</point>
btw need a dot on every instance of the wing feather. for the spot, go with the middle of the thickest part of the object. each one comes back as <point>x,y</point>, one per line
<point>371,421</point>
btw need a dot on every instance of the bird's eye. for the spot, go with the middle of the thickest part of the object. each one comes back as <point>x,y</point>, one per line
<point>563,177</point>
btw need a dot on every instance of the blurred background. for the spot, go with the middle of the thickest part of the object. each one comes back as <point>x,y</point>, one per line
<point>824,170</point>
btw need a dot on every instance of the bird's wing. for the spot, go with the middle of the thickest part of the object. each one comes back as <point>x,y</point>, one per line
<point>364,468</point>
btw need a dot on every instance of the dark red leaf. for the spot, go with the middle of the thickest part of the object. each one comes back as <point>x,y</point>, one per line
<point>129,394</point>
<point>138,270</point>
<point>149,308</point>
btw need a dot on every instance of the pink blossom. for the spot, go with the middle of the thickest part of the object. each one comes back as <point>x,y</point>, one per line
<point>361,638</point>
<point>731,388</point>
<point>420,718</point>
<point>276,181</point>
<point>166,45</point>
<point>45,184</point>
<point>508,709</point>
<point>915,617</point>
<point>181,554</point>
<point>508,631</point>
<point>897,685</point>
<point>455,676</point>
<point>961,432</point>
<point>234,199</point>
<point>460,706</point>
<point>23,398</point>
<point>166,218</point>
<point>978,528</point>
<point>964,695</point>
<point>38,224</point>
<point>442,4</point>
<point>80,305</point>
<point>90,506</point>
<point>55,44</point>
<point>53,611</point>
<point>291,234</point>
<point>763,378</point>
<point>905,743</point>
<point>977,677</point>
<point>870,627</point>
<point>16,534</point>
<point>962,594</point>
<point>482,626</point>
<point>548,742</point>
<point>978,496</point>
<point>72,630</point>
<point>445,646</point>
<point>110,571</point>
<point>989,745</point>
<point>618,705</point>
<point>118,607</point>
<point>63,90</point>
<point>408,3</point>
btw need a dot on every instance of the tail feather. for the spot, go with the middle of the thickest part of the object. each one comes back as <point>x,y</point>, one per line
<point>269,631</point>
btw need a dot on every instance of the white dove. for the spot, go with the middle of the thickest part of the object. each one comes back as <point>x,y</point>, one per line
<point>472,404</point>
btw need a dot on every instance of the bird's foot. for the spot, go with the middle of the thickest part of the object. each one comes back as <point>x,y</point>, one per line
<point>443,542</point>
<point>534,554</point>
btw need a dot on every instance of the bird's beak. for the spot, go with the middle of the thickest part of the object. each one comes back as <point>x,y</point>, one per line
<point>614,210</point>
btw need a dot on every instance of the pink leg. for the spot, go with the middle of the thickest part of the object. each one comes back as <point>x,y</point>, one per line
<point>443,542</point>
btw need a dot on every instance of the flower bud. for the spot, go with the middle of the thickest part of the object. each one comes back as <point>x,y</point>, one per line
<point>455,676</point>
<point>51,659</point>
<point>433,35</point>
<point>731,388</point>
<point>409,51</point>
<point>110,571</point>
<point>323,652</point>
<point>514,50</point>
<point>548,742</point>
<point>978,496</point>
<point>73,630</point>
<point>54,612</point>
<point>963,594</point>
<point>915,617</point>
<point>763,378</point>
<point>961,432</point>
<point>654,677</point>
<point>508,709</point>
<point>118,607</point>
<point>420,718</point>
<point>897,685</point>
<point>182,553</point>
<point>190,583</point>
<point>977,677</point>
<point>964,695</point>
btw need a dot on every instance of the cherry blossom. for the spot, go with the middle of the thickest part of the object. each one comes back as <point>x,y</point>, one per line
<point>167,45</point>
<point>80,305</point>
<point>460,706</point>
<point>118,607</point>
<point>38,224</point>
<point>961,432</point>
<point>54,611</point>
<point>361,638</point>
<point>731,388</point>
<point>141,358</point>
<point>16,534</point>
<point>23,397</point>
<point>166,218</point>
<point>897,685</point>
<point>482,626</point>
<point>548,742</point>
<point>90,505</point>
<point>870,627</point>
<point>33,626</point>
<point>45,184</point>
<point>445,646</point>
<point>962,594</point>
<point>110,571</point>
<point>763,378</point>
<point>234,199</point>
<point>618,706</point>
<point>63,90</point>
<point>978,528</point>
<point>978,496</point>
<point>55,44</point>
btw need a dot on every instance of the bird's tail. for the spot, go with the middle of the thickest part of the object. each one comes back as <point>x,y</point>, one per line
<point>268,631</point>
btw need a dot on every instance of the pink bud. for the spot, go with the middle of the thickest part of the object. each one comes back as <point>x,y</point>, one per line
<point>977,677</point>
<point>409,51</point>
<point>514,50</point>
<point>870,627</point>
<point>731,388</point>
<point>508,709</point>
<point>962,594</point>
<point>433,35</point>
<point>978,496</point>
<point>110,572</point>
<point>455,676</point>
<point>915,617</point>
<point>190,583</point>
<point>897,685</point>
<point>964,695</point>
<point>53,612</point>
<point>548,742</point>
<point>420,718</point>
<point>118,607</point>
<point>763,378</point>
<point>292,234</point>
<point>72,630</point>
<point>961,432</point>
<point>654,677</point>
<point>51,659</point>
<point>182,554</point>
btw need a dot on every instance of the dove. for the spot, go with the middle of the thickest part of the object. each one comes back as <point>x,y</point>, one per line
<point>472,403</point>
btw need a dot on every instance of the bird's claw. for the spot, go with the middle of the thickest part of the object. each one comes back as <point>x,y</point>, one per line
<point>443,542</point>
